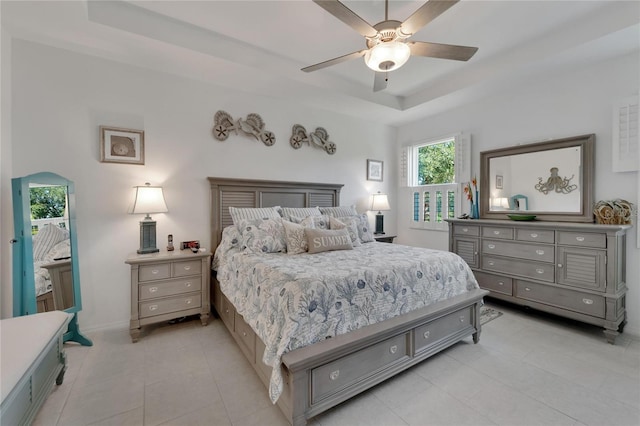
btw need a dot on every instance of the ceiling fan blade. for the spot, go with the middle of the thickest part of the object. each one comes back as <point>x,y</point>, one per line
<point>380,81</point>
<point>334,61</point>
<point>347,16</point>
<point>425,14</point>
<point>442,51</point>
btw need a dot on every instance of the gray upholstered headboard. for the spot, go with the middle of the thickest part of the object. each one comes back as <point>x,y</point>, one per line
<point>228,192</point>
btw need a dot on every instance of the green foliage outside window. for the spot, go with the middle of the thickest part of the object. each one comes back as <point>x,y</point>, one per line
<point>47,201</point>
<point>436,163</point>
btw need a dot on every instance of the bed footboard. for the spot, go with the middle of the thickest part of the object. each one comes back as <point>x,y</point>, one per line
<point>325,374</point>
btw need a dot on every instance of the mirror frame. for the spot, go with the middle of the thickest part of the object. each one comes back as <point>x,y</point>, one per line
<point>586,142</point>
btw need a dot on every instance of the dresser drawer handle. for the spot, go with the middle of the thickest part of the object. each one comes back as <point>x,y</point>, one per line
<point>559,265</point>
<point>187,284</point>
<point>426,334</point>
<point>540,252</point>
<point>226,311</point>
<point>153,289</point>
<point>462,318</point>
<point>465,229</point>
<point>187,267</point>
<point>587,301</point>
<point>153,307</point>
<point>334,375</point>
<point>155,271</point>
<point>491,263</point>
<point>244,334</point>
<point>527,289</point>
<point>393,349</point>
<point>540,270</point>
<point>496,232</point>
<point>491,246</point>
<point>500,283</point>
<point>187,301</point>
<point>581,239</point>
<point>534,235</point>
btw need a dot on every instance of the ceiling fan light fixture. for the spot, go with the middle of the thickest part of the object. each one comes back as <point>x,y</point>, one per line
<point>387,56</point>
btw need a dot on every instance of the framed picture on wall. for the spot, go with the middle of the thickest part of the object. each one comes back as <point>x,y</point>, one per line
<point>119,145</point>
<point>374,170</point>
<point>498,182</point>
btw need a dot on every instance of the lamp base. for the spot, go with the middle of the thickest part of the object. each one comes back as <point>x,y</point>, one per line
<point>148,237</point>
<point>379,224</point>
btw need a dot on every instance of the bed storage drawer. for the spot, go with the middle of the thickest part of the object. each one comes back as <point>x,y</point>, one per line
<point>339,374</point>
<point>172,304</point>
<point>169,288</point>
<point>183,269</point>
<point>429,334</point>
<point>227,312</point>
<point>158,271</point>
<point>584,303</point>
<point>247,337</point>
<point>495,283</point>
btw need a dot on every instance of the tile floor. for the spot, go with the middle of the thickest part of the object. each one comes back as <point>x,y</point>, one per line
<point>528,369</point>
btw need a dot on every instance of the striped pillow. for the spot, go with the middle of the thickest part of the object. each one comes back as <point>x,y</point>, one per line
<point>239,213</point>
<point>340,211</point>
<point>288,212</point>
<point>46,238</point>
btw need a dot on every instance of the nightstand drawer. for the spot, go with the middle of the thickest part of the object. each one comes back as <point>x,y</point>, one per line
<point>170,288</point>
<point>183,269</point>
<point>173,304</point>
<point>157,271</point>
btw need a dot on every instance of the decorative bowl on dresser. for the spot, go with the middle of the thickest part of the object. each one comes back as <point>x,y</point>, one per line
<point>573,270</point>
<point>168,285</point>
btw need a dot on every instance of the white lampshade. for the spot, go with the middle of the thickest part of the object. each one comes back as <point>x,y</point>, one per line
<point>380,202</point>
<point>387,56</point>
<point>149,199</point>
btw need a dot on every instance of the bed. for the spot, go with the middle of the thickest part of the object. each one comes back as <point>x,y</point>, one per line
<point>264,301</point>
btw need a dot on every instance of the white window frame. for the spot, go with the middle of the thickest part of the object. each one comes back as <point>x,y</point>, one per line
<point>409,176</point>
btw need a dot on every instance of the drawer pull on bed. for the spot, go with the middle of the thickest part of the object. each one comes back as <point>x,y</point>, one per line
<point>188,301</point>
<point>393,349</point>
<point>587,301</point>
<point>426,334</point>
<point>334,375</point>
<point>187,284</point>
<point>153,307</point>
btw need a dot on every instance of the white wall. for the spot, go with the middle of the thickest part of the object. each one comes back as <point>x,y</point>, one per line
<point>59,100</point>
<point>567,103</point>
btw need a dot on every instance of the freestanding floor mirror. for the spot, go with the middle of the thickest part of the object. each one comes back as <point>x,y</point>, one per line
<point>45,250</point>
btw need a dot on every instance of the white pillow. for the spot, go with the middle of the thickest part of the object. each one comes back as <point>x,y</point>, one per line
<point>348,223</point>
<point>239,213</point>
<point>46,238</point>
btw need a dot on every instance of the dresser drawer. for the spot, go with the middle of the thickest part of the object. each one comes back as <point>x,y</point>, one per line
<point>183,269</point>
<point>157,271</point>
<point>469,230</point>
<point>584,239</point>
<point>170,287</point>
<point>495,232</point>
<point>537,236</point>
<point>576,301</point>
<point>427,335</point>
<point>173,304</point>
<point>523,268</point>
<point>538,252</point>
<point>247,337</point>
<point>495,283</point>
<point>335,376</point>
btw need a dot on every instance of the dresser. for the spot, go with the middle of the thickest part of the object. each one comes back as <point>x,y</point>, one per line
<point>573,270</point>
<point>168,285</point>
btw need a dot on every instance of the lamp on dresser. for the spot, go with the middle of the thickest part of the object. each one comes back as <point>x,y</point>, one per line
<point>149,199</point>
<point>379,202</point>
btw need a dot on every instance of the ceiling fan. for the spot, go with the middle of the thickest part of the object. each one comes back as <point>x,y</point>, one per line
<point>387,48</point>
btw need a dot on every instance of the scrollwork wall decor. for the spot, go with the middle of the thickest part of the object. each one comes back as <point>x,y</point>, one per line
<point>318,138</point>
<point>613,212</point>
<point>253,125</point>
<point>556,183</point>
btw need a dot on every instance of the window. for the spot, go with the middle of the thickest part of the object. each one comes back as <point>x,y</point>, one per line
<point>435,170</point>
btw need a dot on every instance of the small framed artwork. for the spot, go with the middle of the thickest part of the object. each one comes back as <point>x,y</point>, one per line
<point>374,170</point>
<point>498,182</point>
<point>119,145</point>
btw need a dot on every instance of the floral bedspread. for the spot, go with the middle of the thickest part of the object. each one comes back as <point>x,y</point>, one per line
<point>292,301</point>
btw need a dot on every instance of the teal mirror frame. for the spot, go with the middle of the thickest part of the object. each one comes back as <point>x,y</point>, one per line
<point>24,293</point>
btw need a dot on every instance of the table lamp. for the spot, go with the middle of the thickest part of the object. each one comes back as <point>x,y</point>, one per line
<point>149,199</point>
<point>379,202</point>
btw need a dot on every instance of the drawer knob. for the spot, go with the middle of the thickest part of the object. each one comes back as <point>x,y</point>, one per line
<point>153,289</point>
<point>462,318</point>
<point>587,301</point>
<point>496,232</point>
<point>491,263</point>
<point>465,229</point>
<point>527,289</point>
<point>153,307</point>
<point>187,267</point>
<point>581,239</point>
<point>188,301</point>
<point>559,265</point>
<point>393,349</point>
<point>426,334</point>
<point>154,271</point>
<point>534,235</point>
<point>244,333</point>
<point>491,246</point>
<point>500,283</point>
<point>540,270</point>
<point>540,252</point>
<point>334,375</point>
<point>187,284</point>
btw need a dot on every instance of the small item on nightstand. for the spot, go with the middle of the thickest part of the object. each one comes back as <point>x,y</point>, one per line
<point>170,243</point>
<point>194,245</point>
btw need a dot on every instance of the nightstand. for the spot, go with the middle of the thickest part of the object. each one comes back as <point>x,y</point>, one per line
<point>168,285</point>
<point>384,238</point>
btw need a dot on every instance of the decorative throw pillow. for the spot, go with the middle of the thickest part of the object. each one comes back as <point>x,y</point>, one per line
<point>348,223</point>
<point>262,235</point>
<point>319,222</point>
<point>340,211</point>
<point>296,240</point>
<point>327,239</point>
<point>364,229</point>
<point>46,238</point>
<point>239,213</point>
<point>288,212</point>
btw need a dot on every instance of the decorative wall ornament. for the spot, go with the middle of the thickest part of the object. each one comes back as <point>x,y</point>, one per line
<point>252,126</point>
<point>318,138</point>
<point>613,212</point>
<point>556,183</point>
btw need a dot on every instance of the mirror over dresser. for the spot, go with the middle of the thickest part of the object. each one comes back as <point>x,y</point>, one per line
<point>560,262</point>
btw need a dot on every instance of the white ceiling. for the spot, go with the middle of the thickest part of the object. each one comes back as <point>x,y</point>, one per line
<point>260,46</point>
